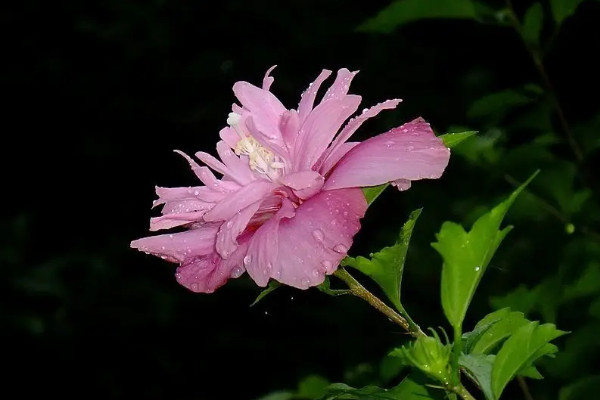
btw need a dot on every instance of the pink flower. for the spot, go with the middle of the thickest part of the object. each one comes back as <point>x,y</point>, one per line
<point>289,201</point>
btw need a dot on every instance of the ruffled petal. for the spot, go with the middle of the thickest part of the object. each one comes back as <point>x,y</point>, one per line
<point>263,249</point>
<point>410,152</point>
<point>268,79</point>
<point>239,200</point>
<point>336,156</point>
<point>265,108</point>
<point>356,122</point>
<point>298,248</point>
<point>341,85</point>
<point>232,228</point>
<point>177,247</point>
<point>304,183</point>
<point>312,244</point>
<point>320,127</point>
<point>307,99</point>
<point>207,273</point>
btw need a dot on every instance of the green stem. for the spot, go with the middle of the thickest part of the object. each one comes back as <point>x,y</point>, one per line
<point>456,350</point>
<point>359,290</point>
<point>524,388</point>
<point>536,57</point>
<point>463,392</point>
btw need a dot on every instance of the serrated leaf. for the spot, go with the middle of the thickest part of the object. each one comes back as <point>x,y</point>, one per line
<point>532,24</point>
<point>386,266</point>
<point>480,367</point>
<point>562,9</point>
<point>520,351</point>
<point>272,286</point>
<point>372,192</point>
<point>453,139</point>
<point>401,12</point>
<point>500,325</point>
<point>466,256</point>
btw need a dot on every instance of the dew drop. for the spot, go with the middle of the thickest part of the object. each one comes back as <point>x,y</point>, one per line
<point>247,260</point>
<point>477,268</point>
<point>305,282</point>
<point>333,222</point>
<point>162,247</point>
<point>410,148</point>
<point>318,235</point>
<point>194,287</point>
<point>327,265</point>
<point>237,272</point>
<point>229,224</point>
<point>345,213</point>
<point>316,273</point>
<point>163,257</point>
<point>340,248</point>
<point>196,192</point>
<point>171,236</point>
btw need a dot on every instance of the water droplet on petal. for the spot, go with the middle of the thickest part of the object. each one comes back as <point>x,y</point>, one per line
<point>237,272</point>
<point>340,248</point>
<point>194,287</point>
<point>229,224</point>
<point>163,257</point>
<point>316,273</point>
<point>345,213</point>
<point>247,260</point>
<point>318,235</point>
<point>333,222</point>
<point>327,265</point>
<point>305,282</point>
<point>410,148</point>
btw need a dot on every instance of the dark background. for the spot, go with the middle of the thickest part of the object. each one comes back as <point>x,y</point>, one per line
<point>98,94</point>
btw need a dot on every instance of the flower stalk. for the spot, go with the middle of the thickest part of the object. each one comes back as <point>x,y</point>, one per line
<point>360,291</point>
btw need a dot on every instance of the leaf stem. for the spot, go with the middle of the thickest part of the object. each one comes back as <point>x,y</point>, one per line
<point>524,388</point>
<point>359,290</point>
<point>539,65</point>
<point>463,392</point>
<point>456,350</point>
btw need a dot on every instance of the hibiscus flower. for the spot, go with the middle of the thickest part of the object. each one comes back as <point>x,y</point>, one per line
<point>289,200</point>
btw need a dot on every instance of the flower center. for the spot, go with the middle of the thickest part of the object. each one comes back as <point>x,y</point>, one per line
<point>260,159</point>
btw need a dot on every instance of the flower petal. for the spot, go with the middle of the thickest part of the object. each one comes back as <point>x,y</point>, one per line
<point>307,100</point>
<point>237,201</point>
<point>335,156</point>
<point>232,228</point>
<point>268,79</point>
<point>340,86</point>
<point>265,108</point>
<point>312,244</point>
<point>356,123</point>
<point>409,152</point>
<point>177,247</point>
<point>304,183</point>
<point>207,273</point>
<point>301,247</point>
<point>320,127</point>
<point>263,249</point>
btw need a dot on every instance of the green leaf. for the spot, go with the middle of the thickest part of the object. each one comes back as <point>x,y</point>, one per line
<point>337,391</point>
<point>499,326</point>
<point>325,287</point>
<point>494,106</point>
<point>282,395</point>
<point>586,388</point>
<point>519,351</point>
<point>453,139</point>
<point>521,298</point>
<point>401,12</point>
<point>413,387</point>
<point>480,367</point>
<point>372,192</point>
<point>532,24</point>
<point>466,256</point>
<point>562,9</point>
<point>272,286</point>
<point>588,284</point>
<point>386,266</point>
<point>312,387</point>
